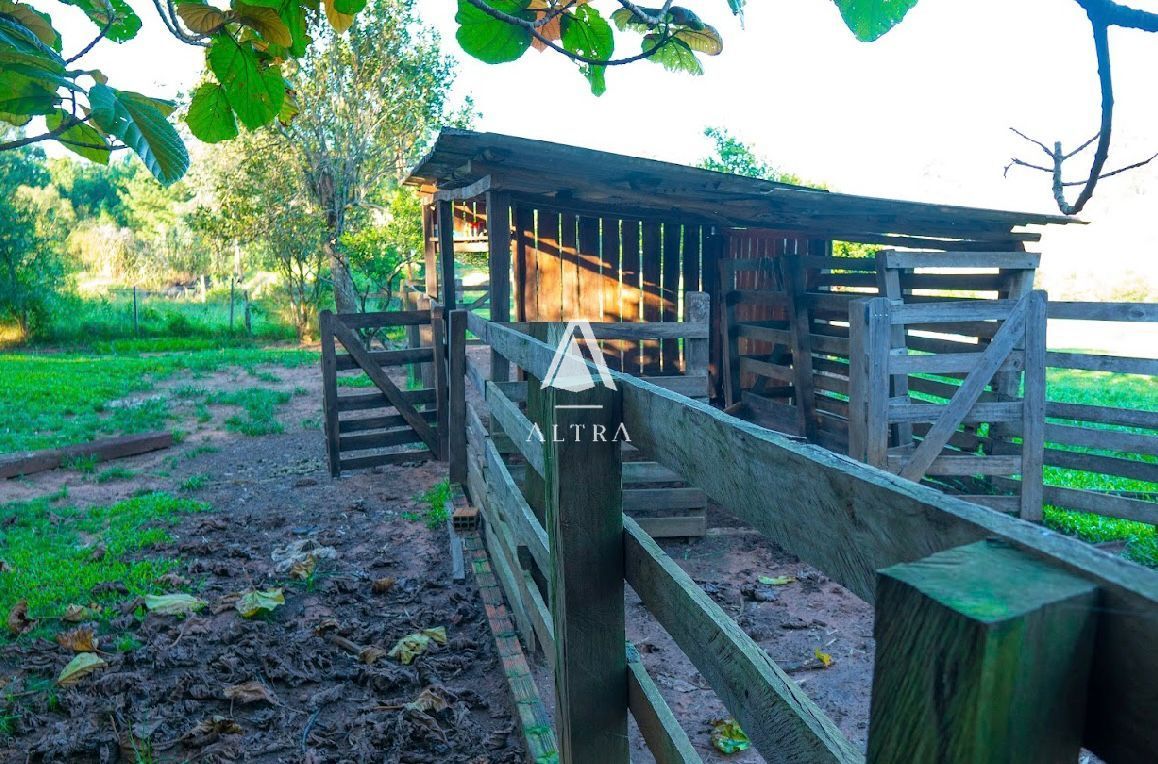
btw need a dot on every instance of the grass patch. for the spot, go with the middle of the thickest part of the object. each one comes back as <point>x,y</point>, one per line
<point>435,515</point>
<point>259,406</point>
<point>113,474</point>
<point>196,482</point>
<point>50,551</point>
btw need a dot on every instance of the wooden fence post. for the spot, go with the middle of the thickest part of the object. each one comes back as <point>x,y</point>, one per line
<point>983,653</point>
<point>499,267</point>
<point>248,316</point>
<point>330,390</point>
<point>1033,409</point>
<point>456,386</point>
<point>869,350</point>
<point>446,254</point>
<point>729,336</point>
<point>697,309</point>
<point>801,330</point>
<point>440,374</point>
<point>585,527</point>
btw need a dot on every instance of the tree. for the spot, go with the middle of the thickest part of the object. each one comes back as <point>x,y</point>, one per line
<point>734,156</point>
<point>370,100</point>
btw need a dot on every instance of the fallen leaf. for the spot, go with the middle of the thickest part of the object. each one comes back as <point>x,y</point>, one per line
<point>369,655</point>
<point>824,658</point>
<point>304,568</point>
<point>79,640</point>
<point>256,602</point>
<point>430,699</point>
<point>383,585</point>
<point>18,620</point>
<point>80,666</point>
<point>173,604</point>
<point>208,730</point>
<point>413,645</point>
<point>777,580</point>
<point>173,580</point>
<point>249,692</point>
<point>727,737</point>
<point>77,613</point>
<point>286,557</point>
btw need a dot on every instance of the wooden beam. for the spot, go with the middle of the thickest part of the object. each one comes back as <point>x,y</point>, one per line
<point>101,450</point>
<point>665,738</point>
<point>784,723</point>
<point>1033,409</point>
<point>456,392</point>
<point>983,653</point>
<point>516,425</point>
<point>446,254</point>
<point>499,270</point>
<point>329,362</point>
<point>478,188</point>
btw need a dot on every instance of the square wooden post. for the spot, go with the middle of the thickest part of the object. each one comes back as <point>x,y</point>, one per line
<point>440,371</point>
<point>330,391</point>
<point>456,391</point>
<point>868,378</point>
<point>499,266</point>
<point>446,254</point>
<point>729,336</point>
<point>585,528</point>
<point>983,654</point>
<point>430,247</point>
<point>697,310</point>
<point>799,323</point>
<point>1033,409</point>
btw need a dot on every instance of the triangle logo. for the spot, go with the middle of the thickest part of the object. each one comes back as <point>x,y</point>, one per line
<point>569,370</point>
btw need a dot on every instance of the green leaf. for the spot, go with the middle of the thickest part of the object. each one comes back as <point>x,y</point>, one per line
<point>135,120</point>
<point>489,39</point>
<point>173,604</point>
<point>705,40</point>
<point>258,602</point>
<point>81,139</point>
<point>587,33</point>
<point>201,18</point>
<point>266,21</point>
<point>625,19</point>
<point>38,23</point>
<point>80,666</point>
<point>20,94</point>
<point>339,21</point>
<point>295,21</point>
<point>349,6</point>
<point>255,92</point>
<point>210,117</point>
<point>18,45</point>
<point>869,19</point>
<point>126,23</point>
<point>673,55</point>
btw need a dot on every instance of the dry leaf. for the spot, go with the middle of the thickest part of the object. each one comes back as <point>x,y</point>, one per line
<point>256,602</point>
<point>79,640</point>
<point>80,666</point>
<point>249,692</point>
<point>383,585</point>
<point>208,730</point>
<point>173,581</point>
<point>77,613</point>
<point>412,645</point>
<point>304,568</point>
<point>777,580</point>
<point>824,658</point>
<point>173,604</point>
<point>430,699</point>
<point>18,620</point>
<point>369,655</point>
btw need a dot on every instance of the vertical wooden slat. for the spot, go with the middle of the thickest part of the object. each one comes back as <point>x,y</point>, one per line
<point>669,293</point>
<point>799,324</point>
<point>591,267</point>
<point>499,270</point>
<point>889,286</point>
<point>438,332</point>
<point>632,292</point>
<point>1033,409</point>
<point>857,379</point>
<point>697,307</point>
<point>456,390</point>
<point>651,266</point>
<point>430,248</point>
<point>526,265</point>
<point>610,294</point>
<point>690,280</point>
<point>585,529</point>
<point>730,342</point>
<point>329,363</point>
<point>550,267</point>
<point>570,306</point>
<point>712,244</point>
<point>446,254</point>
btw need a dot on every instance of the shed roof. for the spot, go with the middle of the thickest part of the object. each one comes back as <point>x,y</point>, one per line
<point>601,182</point>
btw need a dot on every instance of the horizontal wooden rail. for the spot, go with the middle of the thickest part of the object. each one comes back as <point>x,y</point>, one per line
<point>1083,412</point>
<point>363,401</point>
<point>1007,260</point>
<point>517,427</point>
<point>1090,362</point>
<point>1103,311</point>
<point>384,318</point>
<point>951,312</point>
<point>666,739</point>
<point>344,362</point>
<point>943,363</point>
<point>380,422</point>
<point>903,411</point>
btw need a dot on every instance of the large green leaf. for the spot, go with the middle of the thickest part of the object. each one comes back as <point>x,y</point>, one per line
<point>673,55</point>
<point>142,127</point>
<point>36,22</point>
<point>295,20</point>
<point>126,23</point>
<point>80,138</point>
<point>18,45</point>
<point>869,19</point>
<point>210,117</point>
<point>253,90</point>
<point>266,21</point>
<point>489,39</point>
<point>22,95</point>
<point>588,34</point>
<point>349,6</point>
<point>705,40</point>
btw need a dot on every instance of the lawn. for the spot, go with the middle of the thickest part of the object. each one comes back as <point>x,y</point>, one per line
<point>56,399</point>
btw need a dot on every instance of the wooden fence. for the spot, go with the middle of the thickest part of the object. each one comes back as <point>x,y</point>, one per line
<point>963,594</point>
<point>364,427</point>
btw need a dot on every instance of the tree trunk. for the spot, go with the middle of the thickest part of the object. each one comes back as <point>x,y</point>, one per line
<point>345,297</point>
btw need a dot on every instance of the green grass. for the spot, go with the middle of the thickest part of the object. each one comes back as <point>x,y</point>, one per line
<point>114,473</point>
<point>50,400</point>
<point>259,407</point>
<point>50,552</point>
<point>435,499</point>
<point>196,482</point>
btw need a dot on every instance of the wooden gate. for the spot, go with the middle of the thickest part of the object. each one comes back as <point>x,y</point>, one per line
<point>383,424</point>
<point>879,393</point>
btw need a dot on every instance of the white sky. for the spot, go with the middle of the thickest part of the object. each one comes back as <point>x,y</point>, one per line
<point>923,113</point>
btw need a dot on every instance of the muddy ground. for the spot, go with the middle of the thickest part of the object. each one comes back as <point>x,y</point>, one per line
<point>325,704</point>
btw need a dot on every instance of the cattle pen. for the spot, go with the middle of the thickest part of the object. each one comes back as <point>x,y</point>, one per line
<point>885,417</point>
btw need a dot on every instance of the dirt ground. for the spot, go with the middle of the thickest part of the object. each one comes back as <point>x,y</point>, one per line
<point>325,705</point>
<point>314,699</point>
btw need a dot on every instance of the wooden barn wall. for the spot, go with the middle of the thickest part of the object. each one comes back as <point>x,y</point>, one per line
<point>606,268</point>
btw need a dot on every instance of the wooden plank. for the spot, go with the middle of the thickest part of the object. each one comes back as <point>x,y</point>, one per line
<point>517,426</point>
<point>962,671</point>
<point>665,738</point>
<point>967,395</point>
<point>1105,504</point>
<point>945,311</point>
<point>1109,440</point>
<point>446,292</point>
<point>648,472</point>
<point>757,297</point>
<point>1006,260</point>
<point>801,345</point>
<point>385,384</point>
<point>590,265</point>
<point>949,362</point>
<point>507,499</point>
<point>526,265</point>
<point>669,293</point>
<point>499,243</point>
<point>632,292</point>
<point>505,564</point>
<point>383,318</point>
<point>1033,411</point>
<point>329,390</point>
<point>374,440</point>
<point>636,499</point>
<point>585,528</point>
<point>651,269</point>
<point>762,368</point>
<point>901,411</point>
<point>1108,465</point>
<point>570,305</point>
<point>363,424</point>
<point>609,290</point>
<point>693,385</point>
<point>606,330</point>
<point>775,416</point>
<point>387,358</point>
<point>1103,311</point>
<point>685,526</point>
<point>550,268</point>
<point>1114,363</point>
<point>102,450</point>
<point>1009,504</point>
<point>1008,464</point>
<point>697,310</point>
<point>456,420</point>
<point>376,400</point>
<point>379,460</point>
<point>1102,414</point>
<point>764,333</point>
<point>440,373</point>
<point>781,720</point>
